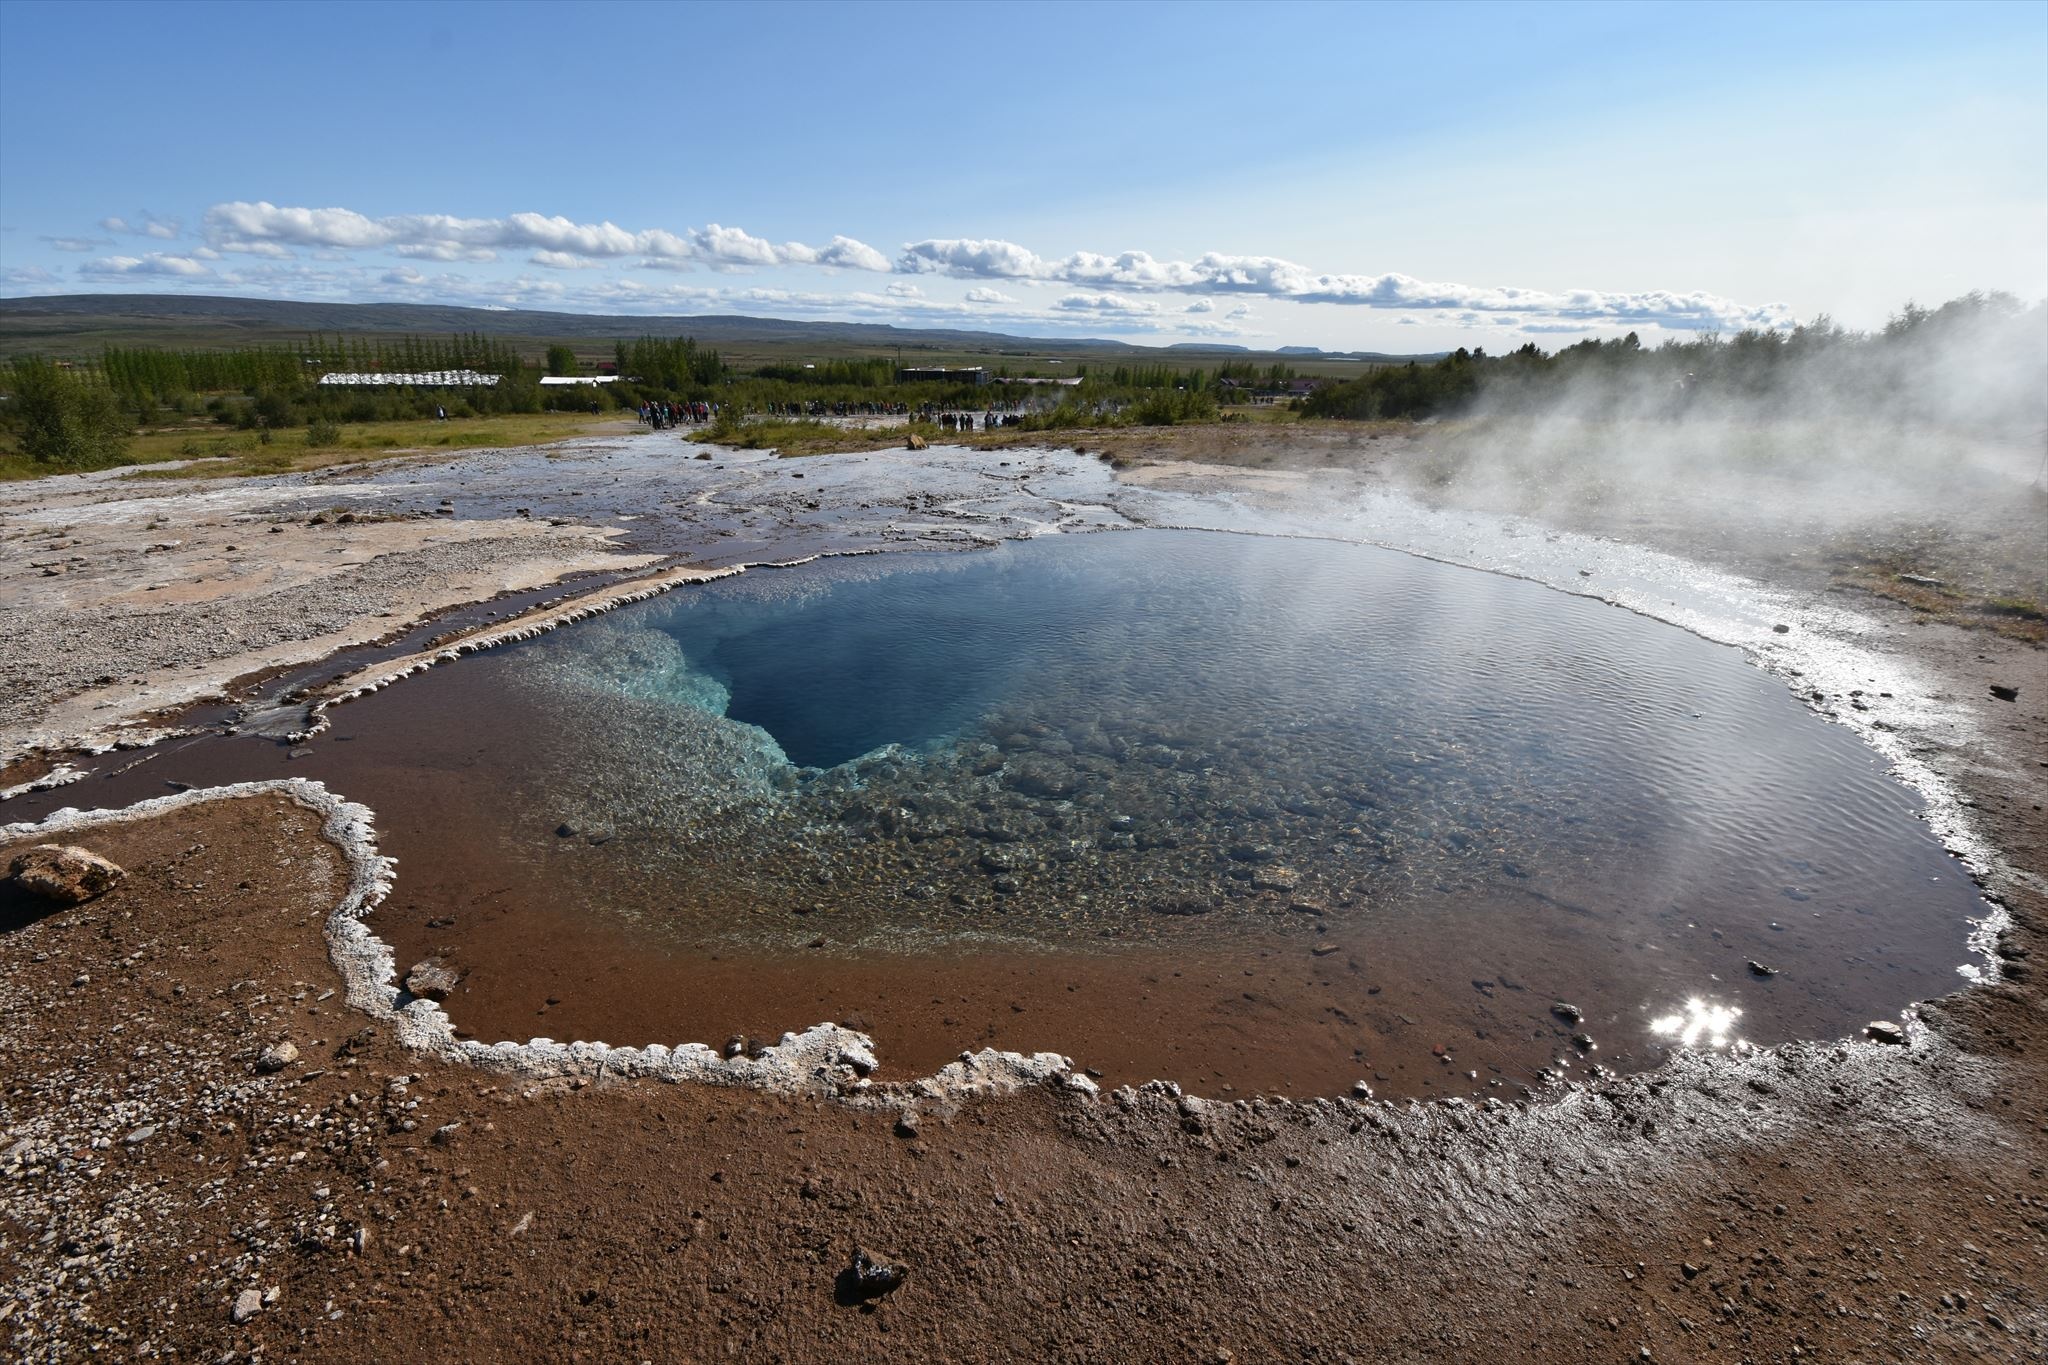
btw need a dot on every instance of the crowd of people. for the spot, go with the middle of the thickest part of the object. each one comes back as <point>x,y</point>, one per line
<point>660,414</point>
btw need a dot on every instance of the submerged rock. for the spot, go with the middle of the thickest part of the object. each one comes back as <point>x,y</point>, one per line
<point>1275,879</point>
<point>1043,778</point>
<point>64,874</point>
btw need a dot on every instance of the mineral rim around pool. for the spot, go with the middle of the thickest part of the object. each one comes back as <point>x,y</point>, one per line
<point>1245,813</point>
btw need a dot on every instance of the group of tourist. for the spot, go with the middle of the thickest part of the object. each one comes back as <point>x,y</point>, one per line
<point>661,413</point>
<point>964,421</point>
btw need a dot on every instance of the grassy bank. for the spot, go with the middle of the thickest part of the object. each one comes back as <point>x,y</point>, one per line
<point>234,453</point>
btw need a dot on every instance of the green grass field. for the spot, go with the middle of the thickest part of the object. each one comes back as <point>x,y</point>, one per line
<point>226,453</point>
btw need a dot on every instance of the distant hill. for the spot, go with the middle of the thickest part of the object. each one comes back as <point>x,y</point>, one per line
<point>303,316</point>
<point>83,323</point>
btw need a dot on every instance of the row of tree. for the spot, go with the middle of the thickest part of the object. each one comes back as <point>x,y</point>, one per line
<point>163,374</point>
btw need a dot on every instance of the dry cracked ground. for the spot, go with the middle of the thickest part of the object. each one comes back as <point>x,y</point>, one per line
<point>168,1190</point>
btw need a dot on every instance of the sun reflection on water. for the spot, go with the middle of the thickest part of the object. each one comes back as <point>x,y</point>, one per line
<point>1699,1022</point>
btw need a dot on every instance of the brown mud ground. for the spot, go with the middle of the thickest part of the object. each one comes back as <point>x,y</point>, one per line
<point>1826,1201</point>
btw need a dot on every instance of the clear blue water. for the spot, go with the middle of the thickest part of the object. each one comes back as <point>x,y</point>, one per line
<point>1479,794</point>
<point>1161,711</point>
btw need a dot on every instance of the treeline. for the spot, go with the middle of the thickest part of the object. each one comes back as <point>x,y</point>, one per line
<point>874,372</point>
<point>1977,361</point>
<point>675,366</point>
<point>1243,373</point>
<point>137,372</point>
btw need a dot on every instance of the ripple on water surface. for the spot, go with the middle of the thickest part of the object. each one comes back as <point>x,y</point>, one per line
<point>1271,813</point>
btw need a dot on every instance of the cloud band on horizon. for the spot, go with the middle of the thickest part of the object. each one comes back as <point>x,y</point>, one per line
<point>1106,285</point>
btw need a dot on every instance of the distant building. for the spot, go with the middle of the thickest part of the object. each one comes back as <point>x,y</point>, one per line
<point>1065,382</point>
<point>939,374</point>
<point>418,379</point>
<point>560,379</point>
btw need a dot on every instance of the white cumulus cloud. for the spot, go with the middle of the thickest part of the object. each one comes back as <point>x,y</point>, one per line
<point>1217,273</point>
<point>564,260</point>
<point>1106,304</point>
<point>155,263</point>
<point>144,224</point>
<point>1211,290</point>
<point>263,226</point>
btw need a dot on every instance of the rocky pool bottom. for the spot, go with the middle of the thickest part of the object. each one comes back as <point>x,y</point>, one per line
<point>1252,814</point>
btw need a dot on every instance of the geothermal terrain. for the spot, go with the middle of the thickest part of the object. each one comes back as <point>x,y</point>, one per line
<point>237,1124</point>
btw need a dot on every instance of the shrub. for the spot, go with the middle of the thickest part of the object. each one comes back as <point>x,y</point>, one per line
<point>321,432</point>
<point>65,421</point>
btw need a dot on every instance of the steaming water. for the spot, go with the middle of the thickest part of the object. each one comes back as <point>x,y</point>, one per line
<point>1280,811</point>
<point>1068,740</point>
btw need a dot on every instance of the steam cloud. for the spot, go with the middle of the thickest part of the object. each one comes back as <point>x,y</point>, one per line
<point>1779,441</point>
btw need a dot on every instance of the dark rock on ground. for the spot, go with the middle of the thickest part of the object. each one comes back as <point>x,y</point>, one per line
<point>64,874</point>
<point>277,1057</point>
<point>871,1276</point>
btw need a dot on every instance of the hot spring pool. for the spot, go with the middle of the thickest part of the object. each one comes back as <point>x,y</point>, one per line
<point>1239,811</point>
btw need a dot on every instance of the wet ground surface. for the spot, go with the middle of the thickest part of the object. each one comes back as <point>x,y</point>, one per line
<point>1400,914</point>
<point>721,507</point>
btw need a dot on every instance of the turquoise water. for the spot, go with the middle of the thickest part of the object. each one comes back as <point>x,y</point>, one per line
<point>1308,811</point>
<point>1073,734</point>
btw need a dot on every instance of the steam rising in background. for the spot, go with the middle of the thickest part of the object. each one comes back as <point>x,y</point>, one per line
<point>1799,435</point>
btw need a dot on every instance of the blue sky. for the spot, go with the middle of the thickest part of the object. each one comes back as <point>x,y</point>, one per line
<point>1398,178</point>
